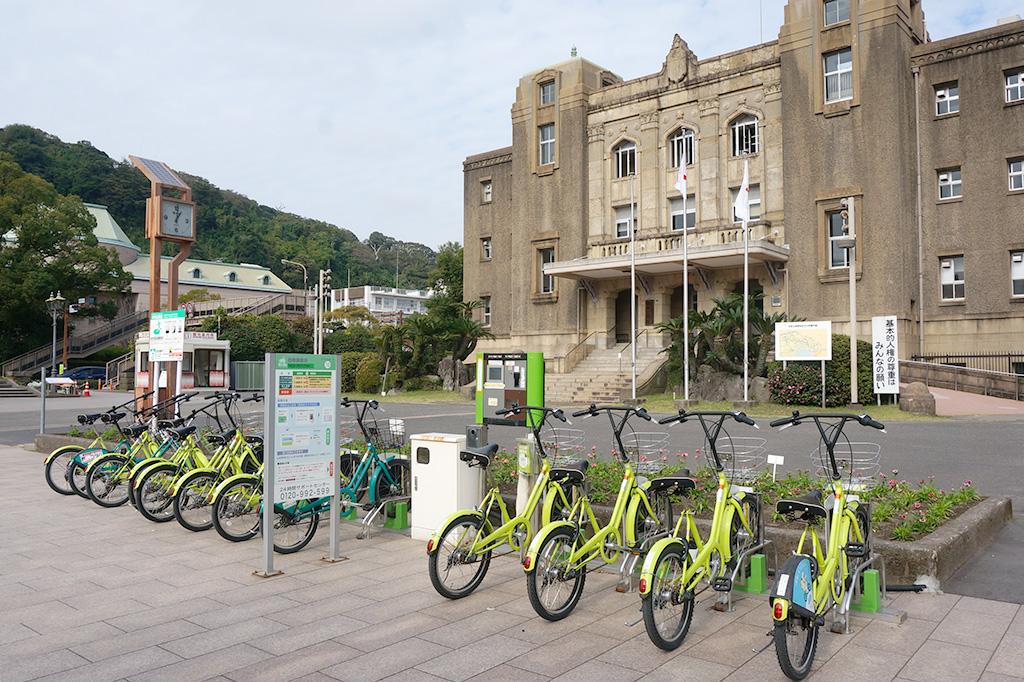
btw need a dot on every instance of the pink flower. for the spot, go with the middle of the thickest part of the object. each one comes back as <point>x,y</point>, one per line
<point>903,516</point>
<point>968,483</point>
<point>917,505</point>
<point>664,458</point>
<point>892,482</point>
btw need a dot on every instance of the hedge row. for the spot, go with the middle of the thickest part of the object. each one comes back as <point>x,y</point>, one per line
<point>800,382</point>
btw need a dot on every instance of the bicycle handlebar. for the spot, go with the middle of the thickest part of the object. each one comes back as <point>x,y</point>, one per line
<point>516,409</point>
<point>797,418</point>
<point>683,415</point>
<point>593,410</point>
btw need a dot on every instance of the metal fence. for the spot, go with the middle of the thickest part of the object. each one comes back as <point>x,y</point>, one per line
<point>247,375</point>
<point>1008,362</point>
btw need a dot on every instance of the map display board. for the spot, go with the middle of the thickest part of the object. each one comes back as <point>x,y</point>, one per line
<point>797,341</point>
<point>167,336</point>
<point>885,355</point>
<point>305,425</point>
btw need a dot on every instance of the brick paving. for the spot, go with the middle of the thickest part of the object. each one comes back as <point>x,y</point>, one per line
<point>101,594</point>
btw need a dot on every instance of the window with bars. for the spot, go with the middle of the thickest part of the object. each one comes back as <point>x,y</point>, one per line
<point>1017,273</point>
<point>951,278</point>
<point>1015,85</point>
<point>745,136</point>
<point>949,184</point>
<point>1015,170</point>
<point>485,248</point>
<point>547,282</point>
<point>753,201</point>
<point>838,75</point>
<point>625,159</point>
<point>622,227</point>
<point>683,217</point>
<point>547,93</point>
<point>547,144</point>
<point>836,11</point>
<point>947,98</point>
<point>837,255</point>
<point>680,147</point>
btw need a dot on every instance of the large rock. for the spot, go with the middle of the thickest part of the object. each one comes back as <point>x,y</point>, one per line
<point>469,390</point>
<point>716,386</point>
<point>915,398</point>
<point>461,375</point>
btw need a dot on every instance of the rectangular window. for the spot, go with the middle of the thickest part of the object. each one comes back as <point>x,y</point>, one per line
<point>837,255</point>
<point>622,230</point>
<point>547,144</point>
<point>681,148</point>
<point>547,282</point>
<point>1017,273</point>
<point>949,184</point>
<point>547,93</point>
<point>487,190</point>
<point>1015,86</point>
<point>1016,173</point>
<point>947,98</point>
<point>839,75</point>
<point>486,310</point>
<point>951,277</point>
<point>683,217</point>
<point>744,136</point>
<point>753,200</point>
<point>836,11</point>
<point>485,248</point>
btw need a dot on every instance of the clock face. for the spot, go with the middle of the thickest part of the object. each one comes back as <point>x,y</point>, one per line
<point>176,219</point>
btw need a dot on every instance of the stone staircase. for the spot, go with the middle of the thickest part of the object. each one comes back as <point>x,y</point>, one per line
<point>9,389</point>
<point>601,378</point>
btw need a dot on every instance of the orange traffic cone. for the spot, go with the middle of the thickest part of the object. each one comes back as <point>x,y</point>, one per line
<point>85,393</point>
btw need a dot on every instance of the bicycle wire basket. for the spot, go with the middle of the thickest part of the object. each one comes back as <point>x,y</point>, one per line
<point>741,456</point>
<point>385,434</point>
<point>562,445</point>
<point>858,462</point>
<point>647,449</point>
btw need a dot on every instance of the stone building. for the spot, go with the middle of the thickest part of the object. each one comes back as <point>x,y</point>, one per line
<point>827,112</point>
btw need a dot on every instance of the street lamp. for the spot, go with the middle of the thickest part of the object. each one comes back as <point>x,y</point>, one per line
<point>849,242</point>
<point>305,279</point>
<point>55,306</point>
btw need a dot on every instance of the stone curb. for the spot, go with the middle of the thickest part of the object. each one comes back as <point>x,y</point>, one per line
<point>48,442</point>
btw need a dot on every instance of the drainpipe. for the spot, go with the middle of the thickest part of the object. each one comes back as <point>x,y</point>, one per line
<point>920,227</point>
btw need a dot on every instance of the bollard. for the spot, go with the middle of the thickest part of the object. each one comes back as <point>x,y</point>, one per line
<point>757,581</point>
<point>397,515</point>
<point>870,598</point>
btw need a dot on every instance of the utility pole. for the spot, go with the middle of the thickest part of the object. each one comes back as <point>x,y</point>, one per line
<point>850,242</point>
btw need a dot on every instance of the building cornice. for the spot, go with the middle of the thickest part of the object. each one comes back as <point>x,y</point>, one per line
<point>968,44</point>
<point>475,162</point>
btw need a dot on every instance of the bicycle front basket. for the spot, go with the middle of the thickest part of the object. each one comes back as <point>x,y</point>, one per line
<point>386,434</point>
<point>562,445</point>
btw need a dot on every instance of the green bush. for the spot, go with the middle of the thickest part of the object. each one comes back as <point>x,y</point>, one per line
<point>353,339</point>
<point>800,382</point>
<point>368,374</point>
<point>423,383</point>
<point>349,367</point>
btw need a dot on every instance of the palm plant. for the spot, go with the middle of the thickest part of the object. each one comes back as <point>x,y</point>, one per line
<point>462,335</point>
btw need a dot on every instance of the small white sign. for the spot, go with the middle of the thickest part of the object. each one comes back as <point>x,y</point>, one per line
<point>885,355</point>
<point>777,460</point>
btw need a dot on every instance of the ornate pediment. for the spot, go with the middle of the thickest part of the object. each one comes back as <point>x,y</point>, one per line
<point>679,61</point>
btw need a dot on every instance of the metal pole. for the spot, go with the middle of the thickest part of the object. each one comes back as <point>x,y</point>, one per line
<point>686,307</point>
<point>42,400</point>
<point>632,282</point>
<point>823,384</point>
<point>53,347</point>
<point>853,303</point>
<point>920,225</point>
<point>746,311</point>
<point>270,450</point>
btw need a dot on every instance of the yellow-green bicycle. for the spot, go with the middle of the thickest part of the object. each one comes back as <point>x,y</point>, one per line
<point>676,566</point>
<point>558,559</point>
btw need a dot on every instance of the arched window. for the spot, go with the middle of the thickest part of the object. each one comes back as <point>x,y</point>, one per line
<point>266,280</point>
<point>680,148</point>
<point>232,276</point>
<point>197,273</point>
<point>625,159</point>
<point>745,135</point>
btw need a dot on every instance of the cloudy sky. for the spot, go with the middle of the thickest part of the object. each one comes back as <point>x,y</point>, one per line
<point>357,113</point>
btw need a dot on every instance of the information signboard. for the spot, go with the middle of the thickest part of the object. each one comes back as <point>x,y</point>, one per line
<point>885,355</point>
<point>167,336</point>
<point>796,341</point>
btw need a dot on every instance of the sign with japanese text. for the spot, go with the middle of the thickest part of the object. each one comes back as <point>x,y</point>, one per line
<point>167,336</point>
<point>795,341</point>
<point>885,355</point>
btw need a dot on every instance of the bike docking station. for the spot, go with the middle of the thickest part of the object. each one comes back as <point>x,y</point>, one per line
<point>301,427</point>
<point>441,482</point>
<point>750,575</point>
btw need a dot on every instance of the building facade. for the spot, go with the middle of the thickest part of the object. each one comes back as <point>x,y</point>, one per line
<point>853,102</point>
<point>383,303</point>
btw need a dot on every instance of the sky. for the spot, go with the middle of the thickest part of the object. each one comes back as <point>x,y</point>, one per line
<point>351,112</point>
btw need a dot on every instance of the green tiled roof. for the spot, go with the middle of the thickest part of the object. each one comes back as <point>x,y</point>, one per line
<point>107,230</point>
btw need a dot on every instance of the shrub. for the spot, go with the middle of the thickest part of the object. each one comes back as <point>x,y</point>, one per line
<point>800,382</point>
<point>368,374</point>
<point>427,382</point>
<point>349,366</point>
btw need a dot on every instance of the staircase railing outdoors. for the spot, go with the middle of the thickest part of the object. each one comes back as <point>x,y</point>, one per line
<point>641,334</point>
<point>120,368</point>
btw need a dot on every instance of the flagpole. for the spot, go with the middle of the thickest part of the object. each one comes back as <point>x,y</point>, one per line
<point>632,281</point>
<point>686,307</point>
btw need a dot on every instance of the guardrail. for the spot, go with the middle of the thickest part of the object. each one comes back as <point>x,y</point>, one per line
<point>970,380</point>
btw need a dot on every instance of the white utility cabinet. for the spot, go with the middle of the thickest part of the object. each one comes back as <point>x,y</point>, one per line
<point>441,482</point>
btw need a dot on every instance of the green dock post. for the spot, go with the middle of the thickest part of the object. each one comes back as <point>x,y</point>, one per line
<point>396,515</point>
<point>349,514</point>
<point>870,600</point>
<point>757,581</point>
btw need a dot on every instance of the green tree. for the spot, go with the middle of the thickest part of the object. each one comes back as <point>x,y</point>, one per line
<point>46,244</point>
<point>198,295</point>
<point>446,277</point>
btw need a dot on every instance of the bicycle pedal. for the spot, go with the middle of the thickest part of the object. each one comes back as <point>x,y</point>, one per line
<point>856,550</point>
<point>722,584</point>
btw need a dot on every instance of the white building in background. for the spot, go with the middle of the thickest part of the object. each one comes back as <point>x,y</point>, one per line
<point>383,303</point>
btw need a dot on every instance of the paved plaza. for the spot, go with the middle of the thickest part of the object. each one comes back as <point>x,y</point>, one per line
<point>101,594</point>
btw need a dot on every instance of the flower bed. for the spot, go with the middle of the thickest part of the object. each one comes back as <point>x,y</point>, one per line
<point>900,510</point>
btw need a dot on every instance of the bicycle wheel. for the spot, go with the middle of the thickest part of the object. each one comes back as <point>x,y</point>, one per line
<point>347,465</point>
<point>236,511</point>
<point>106,481</point>
<point>454,571</point>
<point>294,529</point>
<point>153,493</point>
<point>554,586</point>
<point>795,643</point>
<point>647,527</point>
<point>854,562</point>
<point>192,506</point>
<point>740,540</point>
<point>56,468</point>
<point>76,478</point>
<point>667,610</point>
<point>399,486</point>
<point>554,507</point>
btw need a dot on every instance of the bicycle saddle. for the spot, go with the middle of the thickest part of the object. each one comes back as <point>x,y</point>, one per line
<point>254,440</point>
<point>480,456</point>
<point>88,418</point>
<point>676,483</point>
<point>182,431</point>
<point>134,430</point>
<point>808,507</point>
<point>573,471</point>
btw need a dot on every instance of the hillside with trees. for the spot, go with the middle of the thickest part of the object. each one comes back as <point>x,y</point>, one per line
<point>232,227</point>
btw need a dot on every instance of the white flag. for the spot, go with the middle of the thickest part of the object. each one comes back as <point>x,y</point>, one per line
<point>681,183</point>
<point>741,207</point>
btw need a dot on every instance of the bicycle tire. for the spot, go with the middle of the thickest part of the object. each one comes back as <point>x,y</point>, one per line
<point>152,494</point>
<point>563,540</point>
<point>76,478</point>
<point>183,502</point>
<point>401,473</point>
<point>809,632</point>
<point>655,601</point>
<point>347,465</point>
<point>237,527</point>
<point>284,519</point>
<point>646,527</point>
<point>98,484</point>
<point>433,558</point>
<point>55,470</point>
<point>739,539</point>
